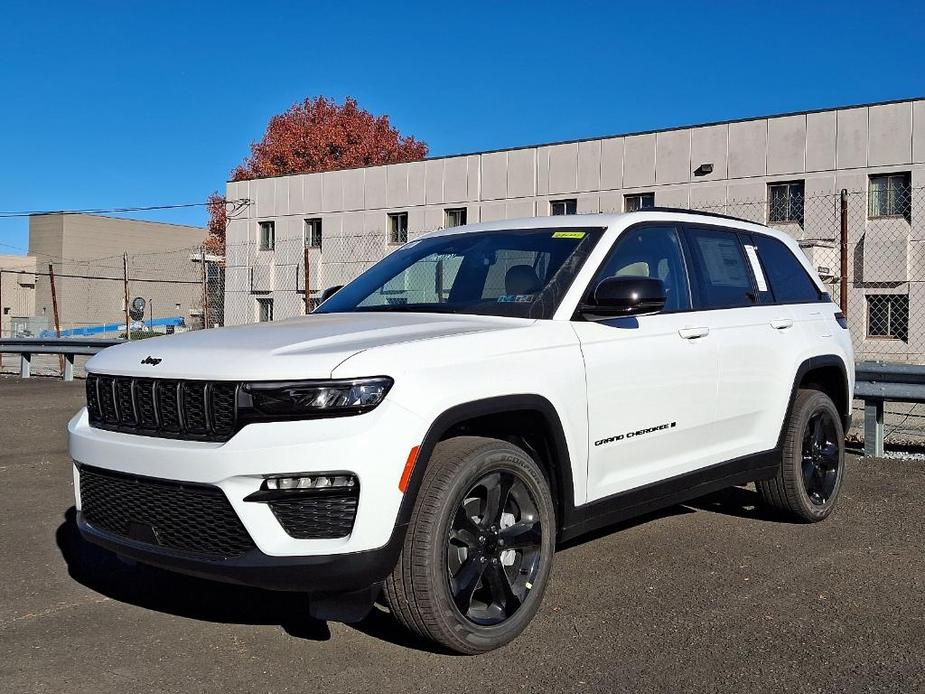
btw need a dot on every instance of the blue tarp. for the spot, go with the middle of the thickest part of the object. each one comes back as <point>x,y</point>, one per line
<point>109,328</point>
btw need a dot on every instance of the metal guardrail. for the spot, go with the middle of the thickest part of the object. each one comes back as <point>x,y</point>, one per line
<point>877,382</point>
<point>67,347</point>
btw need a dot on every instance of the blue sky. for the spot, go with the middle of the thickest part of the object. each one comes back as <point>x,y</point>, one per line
<point>109,104</point>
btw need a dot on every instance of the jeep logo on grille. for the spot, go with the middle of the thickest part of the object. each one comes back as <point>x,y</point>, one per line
<point>151,360</point>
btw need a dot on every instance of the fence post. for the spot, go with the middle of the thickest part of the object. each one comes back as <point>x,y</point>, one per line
<point>305,278</point>
<point>843,238</point>
<point>205,288</point>
<point>128,325</point>
<point>54,308</point>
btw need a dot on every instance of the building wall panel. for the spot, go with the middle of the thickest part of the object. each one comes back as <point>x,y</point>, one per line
<point>612,163</point>
<point>639,161</point>
<point>521,173</point>
<point>563,168</point>
<point>851,138</point>
<point>890,136</point>
<point>786,145</point>
<point>673,157</point>
<point>709,145</point>
<point>747,148</point>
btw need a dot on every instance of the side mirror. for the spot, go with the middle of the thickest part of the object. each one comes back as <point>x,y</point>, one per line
<point>329,292</point>
<point>625,296</point>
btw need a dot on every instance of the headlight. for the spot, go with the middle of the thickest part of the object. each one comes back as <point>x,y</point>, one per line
<point>302,399</point>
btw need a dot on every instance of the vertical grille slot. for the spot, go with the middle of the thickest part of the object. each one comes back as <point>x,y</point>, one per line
<point>144,403</point>
<point>93,401</point>
<point>168,406</point>
<point>223,398</point>
<point>194,407</point>
<point>124,401</point>
<point>107,395</point>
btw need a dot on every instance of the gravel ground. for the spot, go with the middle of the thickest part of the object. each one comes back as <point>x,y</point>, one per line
<point>715,595</point>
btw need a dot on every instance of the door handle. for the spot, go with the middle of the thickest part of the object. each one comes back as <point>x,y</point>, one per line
<point>693,333</point>
<point>782,323</point>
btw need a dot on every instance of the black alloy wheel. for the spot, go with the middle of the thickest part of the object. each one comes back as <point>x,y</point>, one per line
<point>494,548</point>
<point>479,548</point>
<point>820,457</point>
<point>812,462</point>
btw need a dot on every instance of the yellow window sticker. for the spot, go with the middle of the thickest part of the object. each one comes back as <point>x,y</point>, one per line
<point>569,235</point>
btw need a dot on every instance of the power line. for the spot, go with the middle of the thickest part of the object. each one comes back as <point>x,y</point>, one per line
<point>236,206</point>
<point>96,277</point>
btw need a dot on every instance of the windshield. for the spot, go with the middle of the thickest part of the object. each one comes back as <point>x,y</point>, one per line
<point>513,272</point>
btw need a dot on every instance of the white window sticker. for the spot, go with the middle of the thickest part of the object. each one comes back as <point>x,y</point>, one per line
<point>752,254</point>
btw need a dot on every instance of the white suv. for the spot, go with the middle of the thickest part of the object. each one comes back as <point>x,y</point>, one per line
<point>436,426</point>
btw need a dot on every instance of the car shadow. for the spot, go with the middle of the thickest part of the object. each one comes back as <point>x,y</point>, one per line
<point>195,598</point>
<point>739,502</point>
<point>184,596</point>
<point>622,525</point>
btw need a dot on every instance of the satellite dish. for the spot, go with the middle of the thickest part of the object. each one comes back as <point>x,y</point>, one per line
<point>137,309</point>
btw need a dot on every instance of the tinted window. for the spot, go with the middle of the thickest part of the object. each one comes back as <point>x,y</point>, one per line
<point>722,276</point>
<point>786,275</point>
<point>651,252</point>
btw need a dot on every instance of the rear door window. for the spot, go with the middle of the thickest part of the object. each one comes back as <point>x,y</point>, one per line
<point>789,280</point>
<point>722,277</point>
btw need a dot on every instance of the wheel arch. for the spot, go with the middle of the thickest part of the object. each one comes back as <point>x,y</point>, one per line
<point>530,421</point>
<point>828,373</point>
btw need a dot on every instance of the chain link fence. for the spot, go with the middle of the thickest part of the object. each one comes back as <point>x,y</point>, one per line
<point>882,290</point>
<point>116,297</point>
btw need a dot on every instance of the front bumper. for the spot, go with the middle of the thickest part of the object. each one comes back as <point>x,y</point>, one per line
<point>372,446</point>
<point>333,573</point>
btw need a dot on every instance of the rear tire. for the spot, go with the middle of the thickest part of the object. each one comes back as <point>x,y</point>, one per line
<point>812,466</point>
<point>479,547</point>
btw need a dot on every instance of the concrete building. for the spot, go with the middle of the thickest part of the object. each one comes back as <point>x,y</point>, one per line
<point>785,170</point>
<point>86,253</point>
<point>17,292</point>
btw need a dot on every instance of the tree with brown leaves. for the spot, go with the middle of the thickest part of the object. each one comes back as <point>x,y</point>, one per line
<point>317,135</point>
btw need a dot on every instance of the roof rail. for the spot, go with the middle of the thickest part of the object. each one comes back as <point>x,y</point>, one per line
<point>684,210</point>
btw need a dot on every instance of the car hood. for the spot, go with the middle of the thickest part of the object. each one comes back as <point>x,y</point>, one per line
<point>304,347</point>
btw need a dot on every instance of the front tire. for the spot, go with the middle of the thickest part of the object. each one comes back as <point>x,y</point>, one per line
<point>812,465</point>
<point>479,547</point>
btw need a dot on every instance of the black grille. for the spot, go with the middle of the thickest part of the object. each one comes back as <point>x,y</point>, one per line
<point>190,518</point>
<point>321,515</point>
<point>196,410</point>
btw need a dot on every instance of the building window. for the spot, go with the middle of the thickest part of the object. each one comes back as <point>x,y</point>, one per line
<point>888,316</point>
<point>398,227</point>
<point>454,217</point>
<point>560,207</point>
<point>312,234</point>
<point>785,202</point>
<point>889,196</point>
<point>638,201</point>
<point>264,310</point>
<point>267,236</point>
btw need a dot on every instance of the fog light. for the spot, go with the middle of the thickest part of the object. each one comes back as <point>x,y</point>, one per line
<point>310,482</point>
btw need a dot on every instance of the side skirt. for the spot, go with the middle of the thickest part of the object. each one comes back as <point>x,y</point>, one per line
<point>675,490</point>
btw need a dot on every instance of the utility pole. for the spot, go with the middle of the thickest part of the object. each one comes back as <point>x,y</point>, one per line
<point>54,308</point>
<point>305,279</point>
<point>128,325</point>
<point>205,288</point>
<point>843,270</point>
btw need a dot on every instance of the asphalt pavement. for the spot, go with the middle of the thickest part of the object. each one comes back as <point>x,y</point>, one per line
<point>716,595</point>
